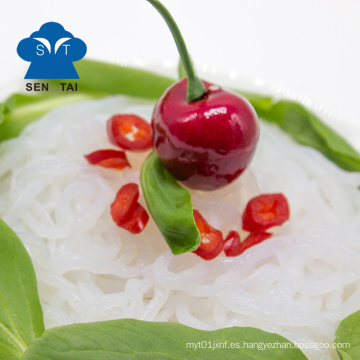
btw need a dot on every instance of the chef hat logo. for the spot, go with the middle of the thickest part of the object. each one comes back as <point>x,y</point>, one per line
<point>51,51</point>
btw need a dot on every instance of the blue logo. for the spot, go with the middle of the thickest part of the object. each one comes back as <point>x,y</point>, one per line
<point>51,51</point>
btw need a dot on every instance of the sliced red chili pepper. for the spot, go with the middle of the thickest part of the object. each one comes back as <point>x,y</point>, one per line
<point>232,244</point>
<point>265,211</point>
<point>124,204</point>
<point>254,239</point>
<point>127,212</point>
<point>130,132</point>
<point>212,241</point>
<point>138,221</point>
<point>108,158</point>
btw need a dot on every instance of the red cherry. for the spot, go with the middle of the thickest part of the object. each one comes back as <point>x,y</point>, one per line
<point>206,143</point>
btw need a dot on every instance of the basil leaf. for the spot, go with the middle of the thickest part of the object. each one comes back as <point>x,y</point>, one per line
<point>16,100</point>
<point>135,339</point>
<point>2,113</point>
<point>170,206</point>
<point>19,110</point>
<point>21,317</point>
<point>307,129</point>
<point>343,355</point>
<point>262,104</point>
<point>98,77</point>
<point>347,337</point>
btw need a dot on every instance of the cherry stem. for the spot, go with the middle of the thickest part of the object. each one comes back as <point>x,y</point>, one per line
<point>195,87</point>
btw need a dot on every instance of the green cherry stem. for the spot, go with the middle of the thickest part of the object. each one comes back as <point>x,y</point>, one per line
<point>195,88</point>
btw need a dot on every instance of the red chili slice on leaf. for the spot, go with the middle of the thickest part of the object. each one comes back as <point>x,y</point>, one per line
<point>115,159</point>
<point>212,241</point>
<point>232,244</point>
<point>254,239</point>
<point>127,212</point>
<point>130,132</point>
<point>265,211</point>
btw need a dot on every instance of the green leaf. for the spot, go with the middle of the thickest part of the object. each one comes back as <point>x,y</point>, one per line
<point>170,206</point>
<point>20,110</point>
<point>16,100</point>
<point>21,317</point>
<point>134,339</point>
<point>103,78</point>
<point>2,113</point>
<point>307,129</point>
<point>348,337</point>
<point>343,355</point>
<point>262,104</point>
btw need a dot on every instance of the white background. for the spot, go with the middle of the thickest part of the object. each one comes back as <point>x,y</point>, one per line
<point>306,48</point>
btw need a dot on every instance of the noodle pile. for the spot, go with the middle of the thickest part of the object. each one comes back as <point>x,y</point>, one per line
<point>300,283</point>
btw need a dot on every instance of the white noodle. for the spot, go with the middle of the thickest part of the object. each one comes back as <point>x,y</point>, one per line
<point>301,283</point>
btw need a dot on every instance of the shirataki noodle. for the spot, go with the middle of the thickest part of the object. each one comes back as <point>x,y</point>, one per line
<point>300,283</point>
